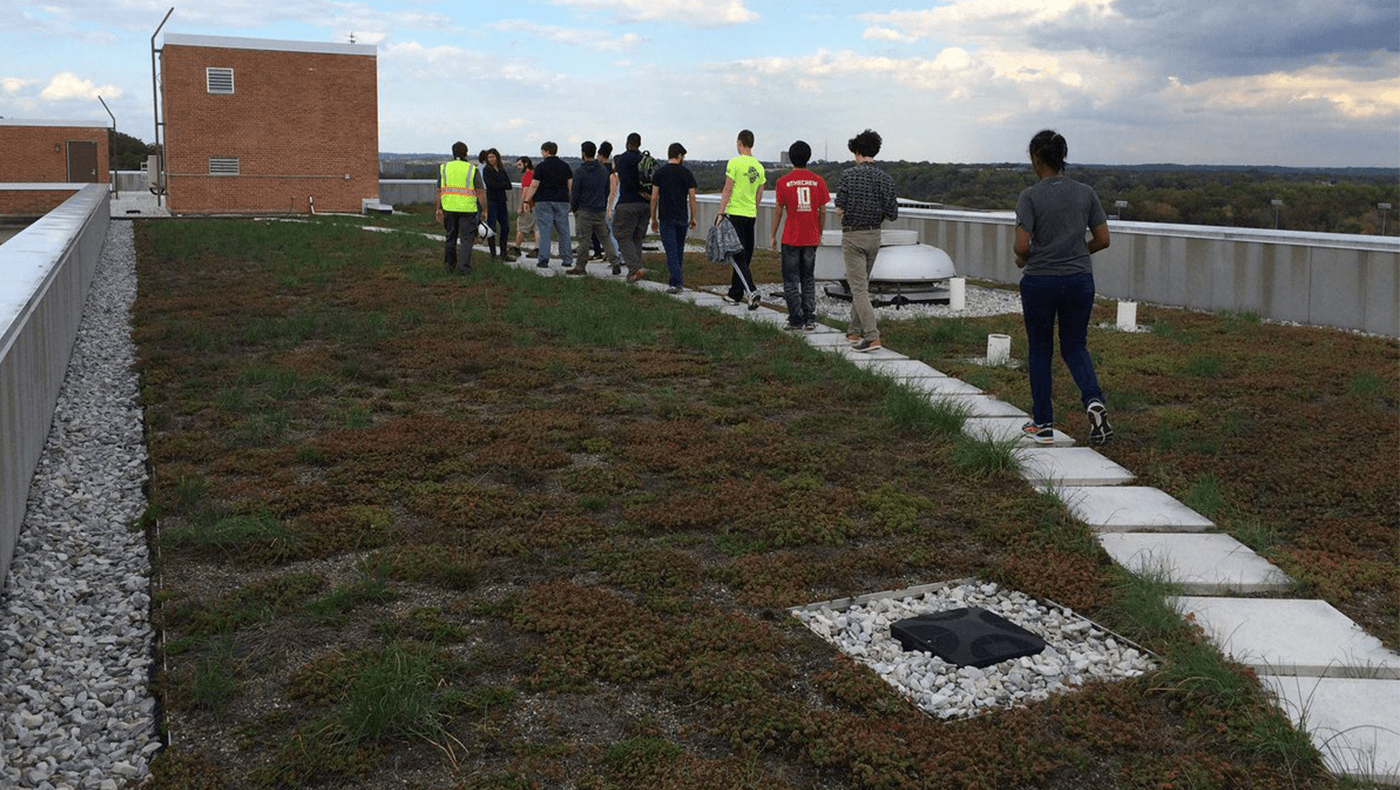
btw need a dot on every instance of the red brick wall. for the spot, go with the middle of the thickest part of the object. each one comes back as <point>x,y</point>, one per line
<point>27,154</point>
<point>299,123</point>
<point>31,203</point>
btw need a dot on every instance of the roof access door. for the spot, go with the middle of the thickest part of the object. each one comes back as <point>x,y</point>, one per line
<point>82,162</point>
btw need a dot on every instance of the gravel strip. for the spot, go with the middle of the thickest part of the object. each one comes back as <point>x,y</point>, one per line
<point>75,611</point>
<point>980,302</point>
<point>1077,651</point>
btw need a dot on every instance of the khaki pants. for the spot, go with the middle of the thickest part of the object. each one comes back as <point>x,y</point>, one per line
<point>858,249</point>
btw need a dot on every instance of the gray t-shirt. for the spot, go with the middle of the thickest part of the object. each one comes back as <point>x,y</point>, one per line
<point>1056,212</point>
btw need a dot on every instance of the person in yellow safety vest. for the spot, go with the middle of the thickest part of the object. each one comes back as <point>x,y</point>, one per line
<point>460,196</point>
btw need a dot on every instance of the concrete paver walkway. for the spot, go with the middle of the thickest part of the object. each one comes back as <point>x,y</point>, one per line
<point>1335,681</point>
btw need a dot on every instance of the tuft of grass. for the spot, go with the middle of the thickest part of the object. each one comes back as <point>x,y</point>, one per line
<point>215,676</point>
<point>371,588</point>
<point>1203,366</point>
<point>986,457</point>
<point>228,534</point>
<point>1257,535</point>
<point>401,693</point>
<point>911,409</point>
<point>1205,496</point>
<point>1366,384</point>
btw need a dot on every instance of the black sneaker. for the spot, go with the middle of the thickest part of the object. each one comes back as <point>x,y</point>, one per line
<point>1099,429</point>
<point>675,289</point>
<point>542,265</point>
<point>793,327</point>
<point>1040,434</point>
<point>728,299</point>
<point>810,326</point>
<point>754,300</point>
<point>616,269</point>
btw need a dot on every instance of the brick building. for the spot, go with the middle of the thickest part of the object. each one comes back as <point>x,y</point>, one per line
<point>261,126</point>
<point>49,152</point>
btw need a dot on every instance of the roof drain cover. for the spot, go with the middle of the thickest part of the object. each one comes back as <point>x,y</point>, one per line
<point>966,637</point>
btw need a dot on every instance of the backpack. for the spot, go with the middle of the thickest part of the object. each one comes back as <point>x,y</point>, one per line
<point>646,168</point>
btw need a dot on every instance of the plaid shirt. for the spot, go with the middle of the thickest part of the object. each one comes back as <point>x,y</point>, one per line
<point>866,195</point>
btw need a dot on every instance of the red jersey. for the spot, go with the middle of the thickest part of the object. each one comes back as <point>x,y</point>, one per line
<point>802,194</point>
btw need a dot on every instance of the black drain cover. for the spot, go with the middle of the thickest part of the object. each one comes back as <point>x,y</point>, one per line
<point>968,637</point>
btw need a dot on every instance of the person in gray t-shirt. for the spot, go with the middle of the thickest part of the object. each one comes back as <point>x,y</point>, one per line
<point>1058,284</point>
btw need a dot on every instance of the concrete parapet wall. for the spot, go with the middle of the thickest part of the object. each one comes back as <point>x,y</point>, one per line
<point>33,200</point>
<point>1322,279</point>
<point>48,268</point>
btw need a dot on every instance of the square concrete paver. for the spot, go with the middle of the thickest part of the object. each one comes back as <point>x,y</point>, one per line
<point>868,357</point>
<point>700,298</point>
<point>942,385</point>
<point>1000,429</point>
<point>1202,563</point>
<point>1069,466</point>
<point>1291,637</point>
<point>826,340</point>
<point>896,368</point>
<point>984,405</point>
<point>1131,509</point>
<point>1355,723</point>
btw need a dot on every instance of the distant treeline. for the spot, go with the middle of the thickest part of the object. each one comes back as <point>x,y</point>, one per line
<point>1340,200</point>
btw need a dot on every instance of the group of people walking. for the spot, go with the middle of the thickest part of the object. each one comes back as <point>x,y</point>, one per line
<point>613,201</point>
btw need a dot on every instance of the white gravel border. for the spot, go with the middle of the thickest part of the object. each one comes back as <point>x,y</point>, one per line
<point>76,643</point>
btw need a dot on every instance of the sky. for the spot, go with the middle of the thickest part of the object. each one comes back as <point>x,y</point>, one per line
<point>1306,83</point>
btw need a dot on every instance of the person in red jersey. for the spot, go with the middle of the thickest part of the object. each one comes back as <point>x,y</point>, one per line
<point>801,196</point>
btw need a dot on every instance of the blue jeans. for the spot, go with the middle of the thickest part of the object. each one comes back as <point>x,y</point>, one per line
<point>1070,299</point>
<point>673,241</point>
<point>498,219</point>
<point>800,283</point>
<point>552,217</point>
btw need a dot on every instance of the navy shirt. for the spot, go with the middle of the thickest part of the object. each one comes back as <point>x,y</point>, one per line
<point>673,184</point>
<point>629,184</point>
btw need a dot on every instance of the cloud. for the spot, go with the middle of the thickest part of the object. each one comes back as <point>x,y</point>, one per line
<point>718,13</point>
<point>577,37</point>
<point>1341,91</point>
<point>14,85</point>
<point>67,85</point>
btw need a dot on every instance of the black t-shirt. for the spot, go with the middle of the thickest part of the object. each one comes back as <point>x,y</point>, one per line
<point>673,184</point>
<point>552,175</point>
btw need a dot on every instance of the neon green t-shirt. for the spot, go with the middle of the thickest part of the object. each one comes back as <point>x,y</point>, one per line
<point>748,176</point>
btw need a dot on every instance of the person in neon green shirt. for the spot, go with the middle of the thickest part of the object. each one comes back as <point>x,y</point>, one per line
<point>743,189</point>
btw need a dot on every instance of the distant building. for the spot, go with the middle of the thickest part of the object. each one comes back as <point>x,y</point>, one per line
<point>49,152</point>
<point>260,126</point>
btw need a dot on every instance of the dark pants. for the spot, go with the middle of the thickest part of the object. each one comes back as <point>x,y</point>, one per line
<point>800,283</point>
<point>740,287</point>
<point>498,219</point>
<point>589,224</point>
<point>460,227</point>
<point>673,232</point>
<point>1068,299</point>
<point>630,221</point>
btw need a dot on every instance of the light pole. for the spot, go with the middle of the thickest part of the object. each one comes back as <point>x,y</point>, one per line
<point>1120,205</point>
<point>1277,204</point>
<point>1385,209</point>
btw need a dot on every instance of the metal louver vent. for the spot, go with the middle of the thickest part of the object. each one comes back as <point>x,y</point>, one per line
<point>223,165</point>
<point>219,80</point>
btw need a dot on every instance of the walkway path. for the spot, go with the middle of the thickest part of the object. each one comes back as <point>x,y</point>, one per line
<point>1333,679</point>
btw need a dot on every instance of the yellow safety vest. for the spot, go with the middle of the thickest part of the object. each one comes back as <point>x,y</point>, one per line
<point>455,186</point>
